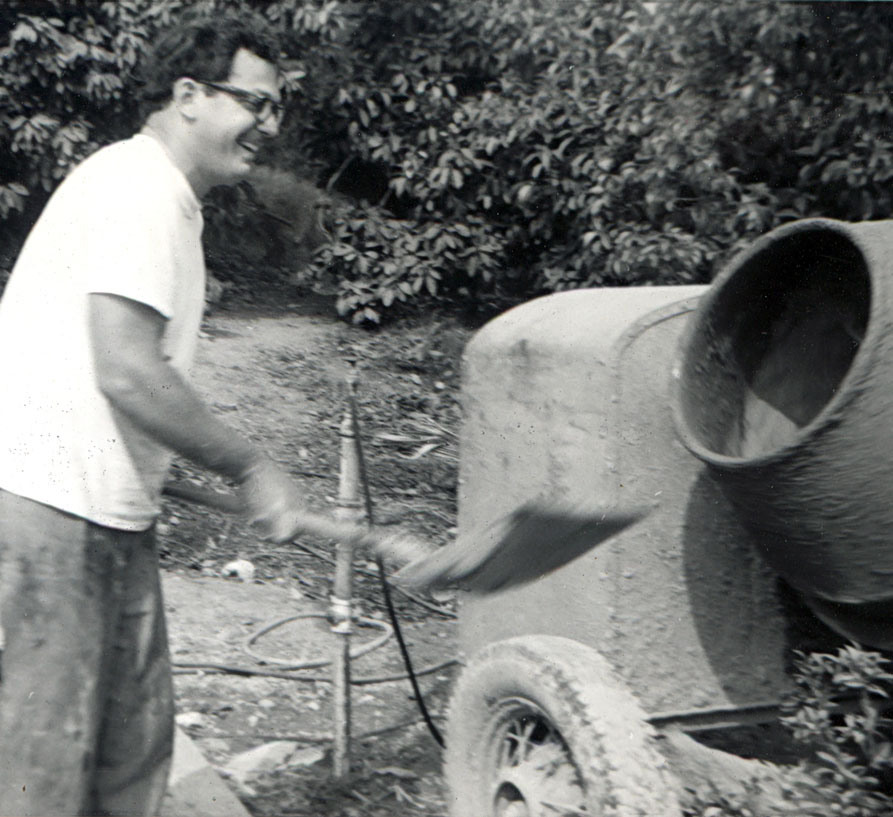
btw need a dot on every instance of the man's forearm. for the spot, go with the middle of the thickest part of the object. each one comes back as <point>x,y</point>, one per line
<point>163,405</point>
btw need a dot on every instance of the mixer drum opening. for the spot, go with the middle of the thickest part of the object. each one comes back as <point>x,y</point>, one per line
<point>772,348</point>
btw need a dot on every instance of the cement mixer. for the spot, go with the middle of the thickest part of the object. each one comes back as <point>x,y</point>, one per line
<point>752,417</point>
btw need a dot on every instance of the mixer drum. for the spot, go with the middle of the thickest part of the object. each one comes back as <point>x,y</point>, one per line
<point>784,388</point>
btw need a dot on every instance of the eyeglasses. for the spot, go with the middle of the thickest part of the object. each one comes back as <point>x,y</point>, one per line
<point>261,107</point>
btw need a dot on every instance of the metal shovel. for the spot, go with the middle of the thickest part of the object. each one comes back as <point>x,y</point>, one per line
<point>518,548</point>
<point>528,543</point>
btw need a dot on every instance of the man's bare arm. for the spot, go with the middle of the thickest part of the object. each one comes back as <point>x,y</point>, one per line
<point>139,382</point>
<point>133,374</point>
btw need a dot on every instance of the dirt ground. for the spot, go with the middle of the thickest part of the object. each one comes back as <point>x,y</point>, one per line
<point>277,373</point>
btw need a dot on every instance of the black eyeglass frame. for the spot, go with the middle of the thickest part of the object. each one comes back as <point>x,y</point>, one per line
<point>261,107</point>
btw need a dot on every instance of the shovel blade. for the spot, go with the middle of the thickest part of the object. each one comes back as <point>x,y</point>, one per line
<point>530,542</point>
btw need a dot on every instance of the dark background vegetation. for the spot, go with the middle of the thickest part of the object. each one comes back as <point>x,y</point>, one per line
<point>481,152</point>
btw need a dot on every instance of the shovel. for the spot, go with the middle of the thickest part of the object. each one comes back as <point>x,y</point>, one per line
<point>526,544</point>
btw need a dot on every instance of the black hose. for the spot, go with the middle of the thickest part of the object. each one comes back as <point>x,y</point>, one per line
<point>385,588</point>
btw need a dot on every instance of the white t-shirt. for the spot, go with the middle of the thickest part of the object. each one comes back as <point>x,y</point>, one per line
<point>125,222</point>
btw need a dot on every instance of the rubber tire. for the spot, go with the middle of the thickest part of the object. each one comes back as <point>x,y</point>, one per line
<point>601,725</point>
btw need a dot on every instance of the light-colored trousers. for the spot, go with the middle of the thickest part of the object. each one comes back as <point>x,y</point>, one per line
<point>86,697</point>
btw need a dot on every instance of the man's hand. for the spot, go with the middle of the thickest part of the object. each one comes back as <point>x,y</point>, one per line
<point>272,501</point>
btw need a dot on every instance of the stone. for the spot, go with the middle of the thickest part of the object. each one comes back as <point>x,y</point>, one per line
<point>187,720</point>
<point>241,568</point>
<point>268,757</point>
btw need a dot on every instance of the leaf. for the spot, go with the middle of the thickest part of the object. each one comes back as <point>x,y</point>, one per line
<point>395,438</point>
<point>422,450</point>
<point>398,772</point>
<point>23,32</point>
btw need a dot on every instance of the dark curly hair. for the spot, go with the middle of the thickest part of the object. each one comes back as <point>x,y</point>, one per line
<point>201,47</point>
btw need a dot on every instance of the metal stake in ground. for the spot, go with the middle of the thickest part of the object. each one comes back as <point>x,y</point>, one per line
<point>349,510</point>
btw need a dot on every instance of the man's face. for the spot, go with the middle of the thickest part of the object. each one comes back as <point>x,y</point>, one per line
<point>228,133</point>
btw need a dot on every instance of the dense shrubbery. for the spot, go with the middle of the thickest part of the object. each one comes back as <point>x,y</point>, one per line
<point>484,148</point>
<point>839,715</point>
<point>853,760</point>
<point>582,144</point>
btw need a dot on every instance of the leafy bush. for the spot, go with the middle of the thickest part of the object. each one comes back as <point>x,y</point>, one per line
<point>838,714</point>
<point>608,144</point>
<point>443,125</point>
<point>503,148</point>
<point>717,805</point>
<point>64,68</point>
<point>269,225</point>
<point>853,748</point>
<point>380,263</point>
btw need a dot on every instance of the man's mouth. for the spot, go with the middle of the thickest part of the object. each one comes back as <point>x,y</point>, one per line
<point>249,147</point>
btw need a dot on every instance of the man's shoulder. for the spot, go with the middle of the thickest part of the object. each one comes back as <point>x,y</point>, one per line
<point>138,155</point>
<point>131,172</point>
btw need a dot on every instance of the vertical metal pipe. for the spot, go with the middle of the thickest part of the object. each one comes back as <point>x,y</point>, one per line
<point>349,509</point>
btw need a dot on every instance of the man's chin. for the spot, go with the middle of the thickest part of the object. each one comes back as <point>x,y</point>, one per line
<point>240,171</point>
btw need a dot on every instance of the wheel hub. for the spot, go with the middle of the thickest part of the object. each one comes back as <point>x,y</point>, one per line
<point>535,776</point>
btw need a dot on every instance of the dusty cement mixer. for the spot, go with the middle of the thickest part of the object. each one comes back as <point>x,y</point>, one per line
<point>753,416</point>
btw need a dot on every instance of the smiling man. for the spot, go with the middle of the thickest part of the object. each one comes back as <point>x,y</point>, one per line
<point>98,325</point>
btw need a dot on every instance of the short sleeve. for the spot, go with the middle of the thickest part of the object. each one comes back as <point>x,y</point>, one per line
<point>130,232</point>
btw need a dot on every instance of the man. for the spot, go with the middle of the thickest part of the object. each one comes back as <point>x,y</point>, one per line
<point>97,326</point>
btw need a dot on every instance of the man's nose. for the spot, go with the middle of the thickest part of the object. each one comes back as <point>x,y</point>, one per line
<point>269,126</point>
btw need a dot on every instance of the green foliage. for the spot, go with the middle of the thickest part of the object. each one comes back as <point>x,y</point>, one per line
<point>600,144</point>
<point>381,262</point>
<point>63,72</point>
<point>838,713</point>
<point>854,747</point>
<point>271,224</point>
<point>506,148</point>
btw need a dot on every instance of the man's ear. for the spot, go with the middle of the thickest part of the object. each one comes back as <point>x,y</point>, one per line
<point>185,95</point>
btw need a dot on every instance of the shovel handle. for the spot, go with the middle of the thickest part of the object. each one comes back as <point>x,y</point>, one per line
<point>400,549</point>
<point>192,494</point>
